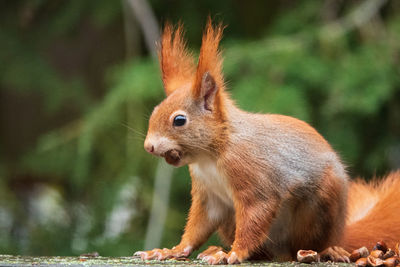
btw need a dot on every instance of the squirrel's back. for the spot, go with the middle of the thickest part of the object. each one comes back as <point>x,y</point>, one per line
<point>285,147</point>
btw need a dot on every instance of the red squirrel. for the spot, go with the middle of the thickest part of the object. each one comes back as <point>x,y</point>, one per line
<point>268,184</point>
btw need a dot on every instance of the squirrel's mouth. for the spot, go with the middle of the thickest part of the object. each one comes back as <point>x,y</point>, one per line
<point>173,157</point>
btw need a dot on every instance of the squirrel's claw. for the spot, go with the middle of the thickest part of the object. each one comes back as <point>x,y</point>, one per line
<point>233,258</point>
<point>335,254</point>
<point>148,255</point>
<point>213,255</point>
<point>163,254</point>
<point>216,255</point>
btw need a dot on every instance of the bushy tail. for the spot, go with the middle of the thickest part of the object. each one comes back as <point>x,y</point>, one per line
<point>374,213</point>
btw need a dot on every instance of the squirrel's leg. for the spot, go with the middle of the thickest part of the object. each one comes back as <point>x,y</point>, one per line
<point>324,213</point>
<point>226,232</point>
<point>198,229</point>
<point>251,228</point>
<point>255,202</point>
<point>333,186</point>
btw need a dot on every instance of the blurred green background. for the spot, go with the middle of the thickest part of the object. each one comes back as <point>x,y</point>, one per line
<point>78,82</point>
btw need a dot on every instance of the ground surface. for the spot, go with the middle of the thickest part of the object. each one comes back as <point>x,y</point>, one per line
<point>8,260</point>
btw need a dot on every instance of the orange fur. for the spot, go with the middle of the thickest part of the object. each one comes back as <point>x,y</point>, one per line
<point>176,62</point>
<point>382,222</point>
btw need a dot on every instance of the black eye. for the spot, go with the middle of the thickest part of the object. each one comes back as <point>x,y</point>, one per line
<point>179,120</point>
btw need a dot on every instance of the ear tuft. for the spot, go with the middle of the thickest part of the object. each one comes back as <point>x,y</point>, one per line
<point>209,67</point>
<point>176,62</point>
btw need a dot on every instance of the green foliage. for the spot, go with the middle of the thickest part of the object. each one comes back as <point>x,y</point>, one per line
<point>347,87</point>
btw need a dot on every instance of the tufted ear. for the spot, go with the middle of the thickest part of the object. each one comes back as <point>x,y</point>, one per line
<point>176,62</point>
<point>209,80</point>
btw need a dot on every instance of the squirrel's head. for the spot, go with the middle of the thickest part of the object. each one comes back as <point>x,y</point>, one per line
<point>190,122</point>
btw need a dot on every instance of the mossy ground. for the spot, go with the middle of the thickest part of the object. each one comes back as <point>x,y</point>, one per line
<point>9,260</point>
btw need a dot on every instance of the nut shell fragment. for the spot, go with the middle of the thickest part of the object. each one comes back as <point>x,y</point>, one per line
<point>391,262</point>
<point>397,249</point>
<point>364,252</point>
<point>377,254</point>
<point>307,256</point>
<point>361,262</point>
<point>374,262</point>
<point>380,245</point>
<point>173,156</point>
<point>355,255</point>
<point>359,253</point>
<point>389,253</point>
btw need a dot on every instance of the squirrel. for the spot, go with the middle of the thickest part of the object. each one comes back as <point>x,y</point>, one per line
<point>269,184</point>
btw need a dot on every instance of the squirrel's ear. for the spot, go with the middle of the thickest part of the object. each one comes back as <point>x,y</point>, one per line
<point>176,63</point>
<point>209,79</point>
<point>208,90</point>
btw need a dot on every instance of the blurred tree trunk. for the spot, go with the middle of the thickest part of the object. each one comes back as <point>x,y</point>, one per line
<point>147,20</point>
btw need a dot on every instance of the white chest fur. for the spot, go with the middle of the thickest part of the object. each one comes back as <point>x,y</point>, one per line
<point>216,185</point>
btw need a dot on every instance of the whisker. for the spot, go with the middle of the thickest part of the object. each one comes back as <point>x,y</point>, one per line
<point>133,130</point>
<point>201,148</point>
<point>137,138</point>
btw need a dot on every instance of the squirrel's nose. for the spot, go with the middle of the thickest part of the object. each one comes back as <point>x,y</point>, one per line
<point>149,147</point>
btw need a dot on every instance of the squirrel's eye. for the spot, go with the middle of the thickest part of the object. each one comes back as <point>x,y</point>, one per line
<point>179,120</point>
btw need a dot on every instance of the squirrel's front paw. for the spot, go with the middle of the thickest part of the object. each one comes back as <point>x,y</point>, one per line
<point>148,255</point>
<point>237,256</point>
<point>216,255</point>
<point>213,255</point>
<point>164,254</point>
<point>233,258</point>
